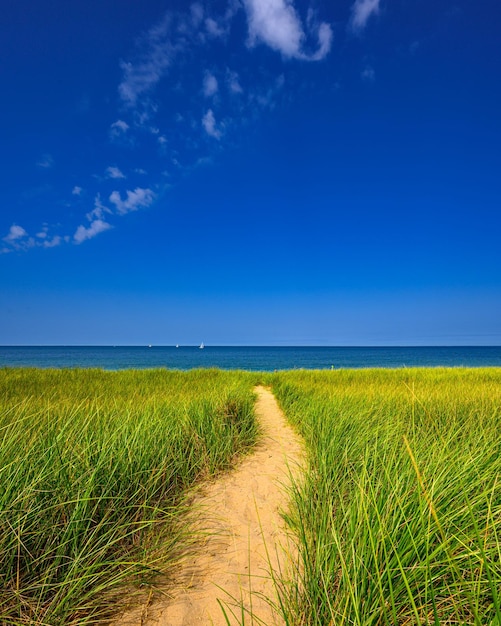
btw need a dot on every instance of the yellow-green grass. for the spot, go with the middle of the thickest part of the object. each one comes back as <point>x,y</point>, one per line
<point>399,517</point>
<point>93,467</point>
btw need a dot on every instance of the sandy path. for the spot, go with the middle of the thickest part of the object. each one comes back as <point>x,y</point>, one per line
<point>246,537</point>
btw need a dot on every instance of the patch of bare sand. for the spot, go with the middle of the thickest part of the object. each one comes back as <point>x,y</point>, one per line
<point>246,540</point>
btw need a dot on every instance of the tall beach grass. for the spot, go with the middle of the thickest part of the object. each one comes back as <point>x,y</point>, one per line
<point>93,468</point>
<point>399,517</point>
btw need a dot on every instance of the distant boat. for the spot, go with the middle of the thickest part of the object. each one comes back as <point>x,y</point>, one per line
<point>201,346</point>
<point>149,345</point>
<point>177,345</point>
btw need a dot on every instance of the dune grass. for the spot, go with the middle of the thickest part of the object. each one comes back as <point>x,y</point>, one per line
<point>399,517</point>
<point>93,468</point>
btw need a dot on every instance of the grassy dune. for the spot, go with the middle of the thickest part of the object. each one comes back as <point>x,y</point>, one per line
<point>93,468</point>
<point>400,515</point>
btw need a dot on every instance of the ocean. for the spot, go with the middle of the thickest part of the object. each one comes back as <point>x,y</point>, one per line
<point>247,358</point>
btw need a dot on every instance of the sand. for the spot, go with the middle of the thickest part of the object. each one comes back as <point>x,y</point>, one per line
<point>228,579</point>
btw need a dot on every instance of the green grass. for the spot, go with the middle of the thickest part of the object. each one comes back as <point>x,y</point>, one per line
<point>399,517</point>
<point>93,469</point>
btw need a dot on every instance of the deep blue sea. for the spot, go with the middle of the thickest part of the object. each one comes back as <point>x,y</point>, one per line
<point>246,358</point>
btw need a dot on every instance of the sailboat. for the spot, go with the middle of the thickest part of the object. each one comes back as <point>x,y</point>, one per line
<point>201,346</point>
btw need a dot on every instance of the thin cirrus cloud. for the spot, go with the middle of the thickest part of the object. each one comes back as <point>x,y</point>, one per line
<point>361,11</point>
<point>158,51</point>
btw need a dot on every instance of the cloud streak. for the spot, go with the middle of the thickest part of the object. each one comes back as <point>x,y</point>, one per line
<point>96,226</point>
<point>159,49</point>
<point>361,12</point>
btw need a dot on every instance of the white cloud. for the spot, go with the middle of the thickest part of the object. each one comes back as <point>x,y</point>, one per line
<point>18,239</point>
<point>162,140</point>
<point>209,123</point>
<point>46,162</point>
<point>57,240</point>
<point>97,226</point>
<point>361,12</point>
<point>114,172</point>
<point>276,23</point>
<point>210,85</point>
<point>15,233</point>
<point>214,28</point>
<point>325,41</point>
<point>159,50</point>
<point>76,191</point>
<point>118,128</point>
<point>137,199</point>
<point>139,170</point>
<point>219,27</point>
<point>233,82</point>
<point>99,211</point>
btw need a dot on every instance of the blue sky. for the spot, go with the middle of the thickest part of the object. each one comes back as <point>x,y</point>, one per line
<point>251,172</point>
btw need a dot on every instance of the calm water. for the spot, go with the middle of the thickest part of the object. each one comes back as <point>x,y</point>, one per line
<point>247,358</point>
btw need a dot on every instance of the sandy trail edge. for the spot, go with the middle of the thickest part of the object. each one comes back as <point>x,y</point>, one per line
<point>246,537</point>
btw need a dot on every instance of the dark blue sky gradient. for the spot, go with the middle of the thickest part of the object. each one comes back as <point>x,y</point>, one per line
<point>348,200</point>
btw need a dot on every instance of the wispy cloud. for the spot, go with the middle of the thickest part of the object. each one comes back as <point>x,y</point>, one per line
<point>210,86</point>
<point>96,226</point>
<point>57,240</point>
<point>218,26</point>
<point>209,124</point>
<point>118,128</point>
<point>114,172</point>
<point>361,11</point>
<point>99,211</point>
<point>233,82</point>
<point>16,232</point>
<point>138,199</point>
<point>76,191</point>
<point>158,50</point>
<point>277,24</point>
<point>18,239</point>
